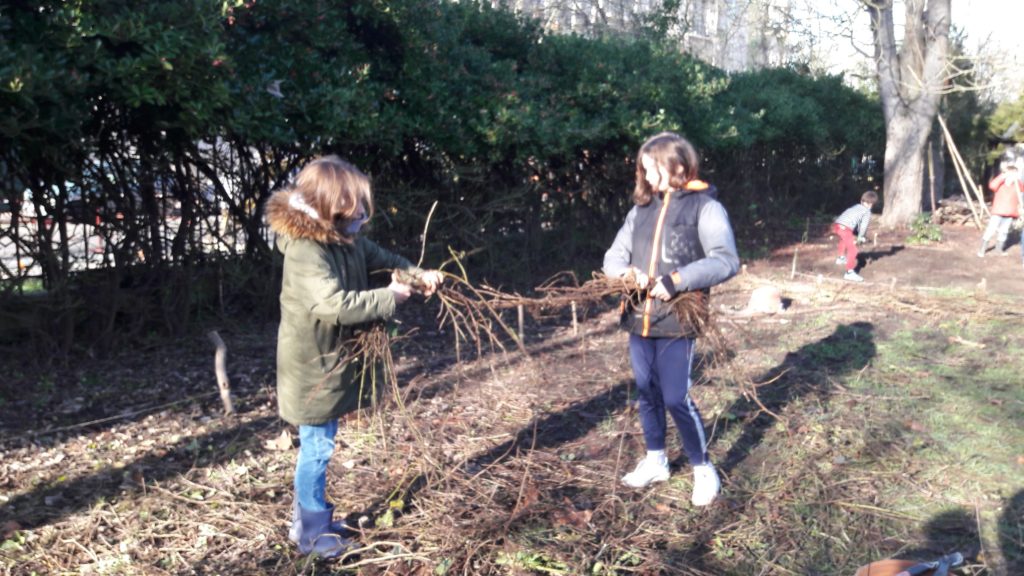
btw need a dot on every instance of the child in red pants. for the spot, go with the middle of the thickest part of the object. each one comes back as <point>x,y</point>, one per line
<point>853,219</point>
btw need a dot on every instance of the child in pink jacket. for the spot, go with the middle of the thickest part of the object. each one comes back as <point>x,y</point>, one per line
<point>1006,202</point>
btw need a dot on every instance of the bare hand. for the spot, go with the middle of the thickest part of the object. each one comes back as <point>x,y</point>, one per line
<point>432,279</point>
<point>643,281</point>
<point>401,291</point>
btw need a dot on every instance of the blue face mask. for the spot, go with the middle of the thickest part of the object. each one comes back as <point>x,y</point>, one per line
<point>352,227</point>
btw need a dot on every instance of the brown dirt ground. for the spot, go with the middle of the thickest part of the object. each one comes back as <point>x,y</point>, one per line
<point>498,465</point>
<point>951,264</point>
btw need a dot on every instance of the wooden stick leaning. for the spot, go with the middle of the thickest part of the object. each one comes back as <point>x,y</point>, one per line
<point>966,182</point>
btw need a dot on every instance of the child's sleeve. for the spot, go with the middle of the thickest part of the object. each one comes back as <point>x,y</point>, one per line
<point>720,261</point>
<point>618,258</point>
<point>996,182</point>
<point>378,258</point>
<point>321,292</point>
<point>862,226</point>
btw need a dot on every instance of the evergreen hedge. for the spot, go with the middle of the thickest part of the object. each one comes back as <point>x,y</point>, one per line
<point>136,114</point>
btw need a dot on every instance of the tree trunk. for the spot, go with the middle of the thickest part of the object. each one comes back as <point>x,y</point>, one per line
<point>912,75</point>
<point>905,142</point>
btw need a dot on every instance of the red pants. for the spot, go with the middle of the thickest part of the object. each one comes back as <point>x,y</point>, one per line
<point>847,245</point>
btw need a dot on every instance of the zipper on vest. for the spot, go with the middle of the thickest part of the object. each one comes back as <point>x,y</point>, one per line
<point>652,267</point>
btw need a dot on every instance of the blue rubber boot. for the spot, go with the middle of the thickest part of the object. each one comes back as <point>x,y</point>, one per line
<point>316,536</point>
<point>338,526</point>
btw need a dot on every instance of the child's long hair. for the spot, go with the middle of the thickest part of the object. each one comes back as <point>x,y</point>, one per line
<point>335,189</point>
<point>675,154</point>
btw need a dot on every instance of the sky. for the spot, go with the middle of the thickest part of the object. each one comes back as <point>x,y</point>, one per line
<point>994,28</point>
<point>1000,19</point>
<point>997,23</point>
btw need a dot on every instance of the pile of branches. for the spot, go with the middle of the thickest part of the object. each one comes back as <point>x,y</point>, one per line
<point>953,210</point>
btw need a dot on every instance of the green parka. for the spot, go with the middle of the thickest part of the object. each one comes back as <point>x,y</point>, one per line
<point>325,295</point>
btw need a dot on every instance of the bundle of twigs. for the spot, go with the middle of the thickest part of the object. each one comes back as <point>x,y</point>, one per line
<point>562,290</point>
<point>473,313</point>
<point>369,350</point>
<point>468,311</point>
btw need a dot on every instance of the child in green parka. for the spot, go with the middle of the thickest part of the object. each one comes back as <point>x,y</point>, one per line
<point>325,293</point>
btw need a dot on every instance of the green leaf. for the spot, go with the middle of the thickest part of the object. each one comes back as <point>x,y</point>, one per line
<point>443,566</point>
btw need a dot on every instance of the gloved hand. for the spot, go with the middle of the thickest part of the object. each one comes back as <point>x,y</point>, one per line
<point>664,288</point>
<point>861,240</point>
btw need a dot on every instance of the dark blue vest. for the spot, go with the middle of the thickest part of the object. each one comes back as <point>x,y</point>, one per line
<point>678,245</point>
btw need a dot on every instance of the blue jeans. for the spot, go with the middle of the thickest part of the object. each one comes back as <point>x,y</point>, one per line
<point>662,370</point>
<point>316,445</point>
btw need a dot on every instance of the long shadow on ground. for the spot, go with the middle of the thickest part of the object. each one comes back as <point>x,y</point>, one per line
<point>572,423</point>
<point>802,374</point>
<point>57,498</point>
<point>1011,534</point>
<point>865,258</point>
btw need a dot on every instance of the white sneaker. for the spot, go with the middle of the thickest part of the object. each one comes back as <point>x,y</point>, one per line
<point>706,484</point>
<point>841,261</point>
<point>648,470</point>
<point>852,276</point>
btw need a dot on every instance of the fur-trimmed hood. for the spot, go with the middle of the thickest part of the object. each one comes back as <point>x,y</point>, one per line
<point>289,216</point>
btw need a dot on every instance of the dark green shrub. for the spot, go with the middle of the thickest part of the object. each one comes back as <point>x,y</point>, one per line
<point>924,231</point>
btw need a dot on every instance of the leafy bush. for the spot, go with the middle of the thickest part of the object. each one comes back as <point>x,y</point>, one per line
<point>202,108</point>
<point>924,231</point>
<point>794,143</point>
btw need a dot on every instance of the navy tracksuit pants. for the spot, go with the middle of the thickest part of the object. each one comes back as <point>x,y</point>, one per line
<point>661,367</point>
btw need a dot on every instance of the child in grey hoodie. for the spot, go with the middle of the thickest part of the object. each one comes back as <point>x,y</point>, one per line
<point>676,238</point>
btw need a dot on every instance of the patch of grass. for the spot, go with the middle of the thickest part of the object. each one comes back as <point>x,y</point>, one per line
<point>608,426</point>
<point>951,292</point>
<point>894,440</point>
<point>957,439</point>
<point>529,560</point>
